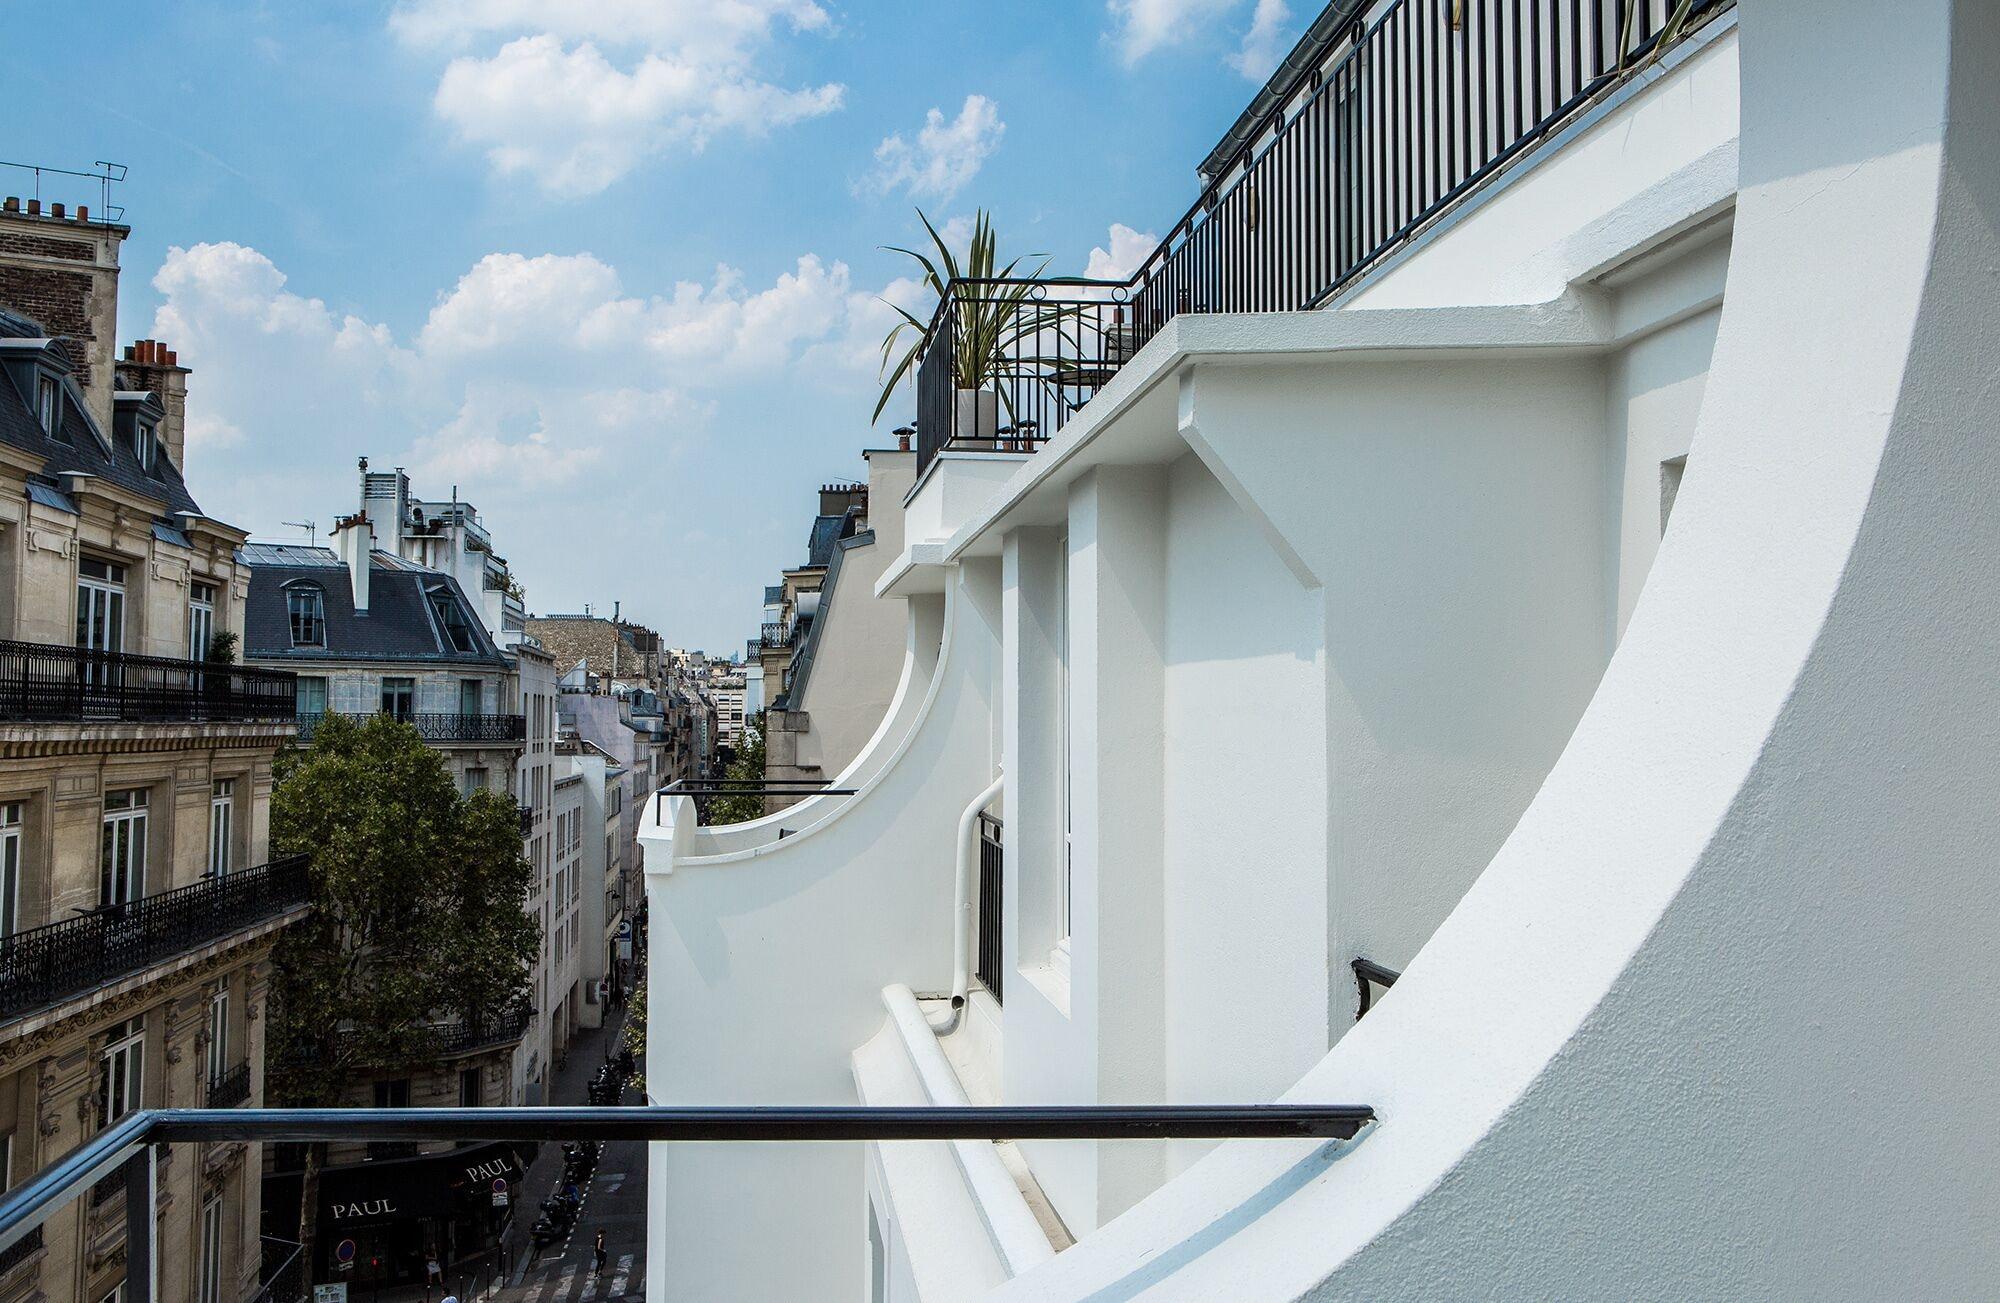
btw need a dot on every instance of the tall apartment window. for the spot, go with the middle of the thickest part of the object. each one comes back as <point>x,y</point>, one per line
<point>100,605</point>
<point>393,1094</point>
<point>10,868</point>
<point>201,620</point>
<point>399,697</point>
<point>121,1071</point>
<point>208,1286</point>
<point>48,403</point>
<point>468,696</point>
<point>311,699</point>
<point>469,1092</point>
<point>475,780</point>
<point>306,606</point>
<point>6,1162</point>
<point>121,864</point>
<point>218,1033</point>
<point>144,447</point>
<point>221,825</point>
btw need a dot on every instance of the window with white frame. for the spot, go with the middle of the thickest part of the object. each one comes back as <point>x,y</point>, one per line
<point>121,1071</point>
<point>100,605</point>
<point>218,1032</point>
<point>48,401</point>
<point>305,605</point>
<point>201,620</point>
<point>144,447</point>
<point>208,1285</point>
<point>10,868</point>
<point>122,854</point>
<point>221,826</point>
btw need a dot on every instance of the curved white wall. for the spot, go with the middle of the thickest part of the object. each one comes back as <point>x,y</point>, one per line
<point>766,967</point>
<point>1716,1022</point>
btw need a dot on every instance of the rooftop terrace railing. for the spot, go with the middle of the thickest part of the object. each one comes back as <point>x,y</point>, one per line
<point>54,683</point>
<point>1420,107</point>
<point>441,726</point>
<point>43,966</point>
<point>125,1157</point>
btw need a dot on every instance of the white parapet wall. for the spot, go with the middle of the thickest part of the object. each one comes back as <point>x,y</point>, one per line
<point>1715,1022</point>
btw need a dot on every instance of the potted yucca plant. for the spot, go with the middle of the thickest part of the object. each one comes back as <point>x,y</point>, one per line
<point>996,309</point>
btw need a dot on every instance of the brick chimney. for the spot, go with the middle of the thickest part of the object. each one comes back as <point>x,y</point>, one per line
<point>62,270</point>
<point>151,365</point>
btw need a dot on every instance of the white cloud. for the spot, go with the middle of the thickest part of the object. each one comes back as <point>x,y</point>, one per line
<point>1121,255</point>
<point>1142,27</point>
<point>550,103</point>
<point>526,372</point>
<point>1139,27</point>
<point>1264,44</point>
<point>946,155</point>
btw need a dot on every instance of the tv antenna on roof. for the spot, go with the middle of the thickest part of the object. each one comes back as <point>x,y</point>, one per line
<point>311,527</point>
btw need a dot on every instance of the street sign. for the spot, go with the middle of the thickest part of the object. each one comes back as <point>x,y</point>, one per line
<point>624,929</point>
<point>335,1293</point>
<point>499,1192</point>
<point>343,1253</point>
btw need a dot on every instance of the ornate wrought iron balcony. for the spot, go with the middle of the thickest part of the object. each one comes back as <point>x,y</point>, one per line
<point>442,726</point>
<point>1397,121</point>
<point>46,965</point>
<point>51,683</point>
<point>231,1088</point>
<point>780,635</point>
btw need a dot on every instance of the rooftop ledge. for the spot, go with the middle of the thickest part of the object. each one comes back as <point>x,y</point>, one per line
<point>1579,321</point>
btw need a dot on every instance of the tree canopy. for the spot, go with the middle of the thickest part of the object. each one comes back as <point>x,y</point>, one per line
<point>419,906</point>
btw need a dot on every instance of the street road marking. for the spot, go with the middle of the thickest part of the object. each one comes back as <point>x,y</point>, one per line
<point>618,1278</point>
<point>563,1285</point>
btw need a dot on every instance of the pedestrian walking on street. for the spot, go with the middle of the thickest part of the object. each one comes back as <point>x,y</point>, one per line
<point>598,1249</point>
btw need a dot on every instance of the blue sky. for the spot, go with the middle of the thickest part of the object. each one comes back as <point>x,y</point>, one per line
<point>612,268</point>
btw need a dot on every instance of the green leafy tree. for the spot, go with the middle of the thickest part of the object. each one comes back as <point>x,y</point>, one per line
<point>419,913</point>
<point>746,767</point>
<point>635,1034</point>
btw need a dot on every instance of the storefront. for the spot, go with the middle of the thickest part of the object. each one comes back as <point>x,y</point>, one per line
<point>380,1222</point>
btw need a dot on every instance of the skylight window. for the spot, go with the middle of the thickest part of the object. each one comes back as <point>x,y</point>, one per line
<point>307,607</point>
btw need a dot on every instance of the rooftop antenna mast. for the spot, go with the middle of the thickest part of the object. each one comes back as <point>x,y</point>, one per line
<point>311,527</point>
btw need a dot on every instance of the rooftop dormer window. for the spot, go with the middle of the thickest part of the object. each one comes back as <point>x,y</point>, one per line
<point>48,401</point>
<point>451,618</point>
<point>306,606</point>
<point>144,447</point>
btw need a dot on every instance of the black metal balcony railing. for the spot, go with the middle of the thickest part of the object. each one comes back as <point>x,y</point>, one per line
<point>48,683</point>
<point>231,1088</point>
<point>44,965</point>
<point>1427,102</point>
<point>441,726</point>
<point>992,904</point>
<point>127,1155</point>
<point>527,820</point>
<point>779,635</point>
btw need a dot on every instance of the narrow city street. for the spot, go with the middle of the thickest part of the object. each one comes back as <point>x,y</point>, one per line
<point>614,1201</point>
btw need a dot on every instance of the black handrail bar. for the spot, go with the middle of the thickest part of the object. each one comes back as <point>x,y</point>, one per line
<point>702,787</point>
<point>135,1137</point>
<point>1367,971</point>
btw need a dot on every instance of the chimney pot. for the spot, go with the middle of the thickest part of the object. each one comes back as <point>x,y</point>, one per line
<point>83,212</point>
<point>56,211</point>
<point>173,358</point>
<point>34,208</point>
<point>145,347</point>
<point>13,204</point>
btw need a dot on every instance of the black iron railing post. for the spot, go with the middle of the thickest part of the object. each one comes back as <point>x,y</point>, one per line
<point>141,1197</point>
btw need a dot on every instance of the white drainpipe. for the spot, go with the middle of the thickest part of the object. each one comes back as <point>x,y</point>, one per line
<point>961,938</point>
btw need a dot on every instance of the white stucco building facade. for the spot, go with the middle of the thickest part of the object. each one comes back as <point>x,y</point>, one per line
<point>1586,613</point>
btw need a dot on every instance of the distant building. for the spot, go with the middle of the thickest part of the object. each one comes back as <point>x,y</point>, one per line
<point>138,900</point>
